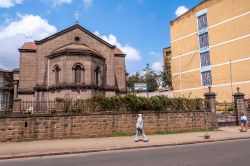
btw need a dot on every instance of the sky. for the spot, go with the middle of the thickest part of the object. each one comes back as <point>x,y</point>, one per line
<point>140,28</point>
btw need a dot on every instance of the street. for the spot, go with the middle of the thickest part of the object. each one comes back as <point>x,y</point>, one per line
<point>229,153</point>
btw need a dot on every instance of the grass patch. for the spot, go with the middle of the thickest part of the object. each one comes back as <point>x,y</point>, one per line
<point>121,134</point>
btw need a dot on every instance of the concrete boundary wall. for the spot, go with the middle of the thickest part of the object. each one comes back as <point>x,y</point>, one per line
<point>38,127</point>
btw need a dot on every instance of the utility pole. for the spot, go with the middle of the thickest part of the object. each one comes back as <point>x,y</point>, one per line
<point>231,79</point>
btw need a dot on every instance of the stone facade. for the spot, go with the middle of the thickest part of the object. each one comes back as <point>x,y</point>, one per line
<point>48,67</point>
<point>6,89</point>
<point>36,127</point>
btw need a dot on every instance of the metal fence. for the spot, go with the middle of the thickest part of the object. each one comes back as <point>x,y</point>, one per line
<point>37,106</point>
<point>33,107</point>
<point>225,107</point>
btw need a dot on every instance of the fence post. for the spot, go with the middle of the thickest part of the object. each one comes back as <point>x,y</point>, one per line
<point>17,106</point>
<point>239,102</point>
<point>59,106</point>
<point>211,105</point>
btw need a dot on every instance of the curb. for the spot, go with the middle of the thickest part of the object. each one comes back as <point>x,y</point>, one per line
<point>115,149</point>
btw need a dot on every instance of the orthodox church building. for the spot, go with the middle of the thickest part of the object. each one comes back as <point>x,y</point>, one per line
<point>72,63</point>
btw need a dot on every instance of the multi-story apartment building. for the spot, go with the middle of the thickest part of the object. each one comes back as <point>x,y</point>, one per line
<point>210,46</point>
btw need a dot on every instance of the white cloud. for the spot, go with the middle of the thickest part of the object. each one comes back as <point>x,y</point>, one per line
<point>132,54</point>
<point>157,66</point>
<point>61,2</point>
<point>154,53</point>
<point>13,35</point>
<point>180,11</point>
<point>87,3</point>
<point>9,3</point>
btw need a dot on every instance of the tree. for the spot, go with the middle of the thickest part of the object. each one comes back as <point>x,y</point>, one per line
<point>135,79</point>
<point>150,77</point>
<point>166,75</point>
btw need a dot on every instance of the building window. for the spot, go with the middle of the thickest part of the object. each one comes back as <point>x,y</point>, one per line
<point>56,71</point>
<point>78,73</point>
<point>205,59</point>
<point>203,40</point>
<point>202,21</point>
<point>97,74</point>
<point>206,78</point>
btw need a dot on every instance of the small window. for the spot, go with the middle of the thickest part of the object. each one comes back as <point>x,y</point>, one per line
<point>206,78</point>
<point>57,74</point>
<point>97,71</point>
<point>202,21</point>
<point>205,59</point>
<point>203,40</point>
<point>77,38</point>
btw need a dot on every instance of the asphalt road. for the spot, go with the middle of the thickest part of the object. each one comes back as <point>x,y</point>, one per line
<point>229,153</point>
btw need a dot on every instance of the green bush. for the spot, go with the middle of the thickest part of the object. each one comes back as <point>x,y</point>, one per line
<point>156,103</point>
<point>132,103</point>
<point>5,112</point>
<point>67,104</point>
<point>52,111</point>
<point>75,110</point>
<point>59,99</point>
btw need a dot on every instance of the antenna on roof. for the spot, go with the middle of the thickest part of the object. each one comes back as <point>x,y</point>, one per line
<point>77,16</point>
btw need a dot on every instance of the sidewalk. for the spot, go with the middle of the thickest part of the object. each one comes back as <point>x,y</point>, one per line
<point>69,146</point>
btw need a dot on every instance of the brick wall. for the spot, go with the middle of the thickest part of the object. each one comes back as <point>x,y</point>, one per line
<point>37,127</point>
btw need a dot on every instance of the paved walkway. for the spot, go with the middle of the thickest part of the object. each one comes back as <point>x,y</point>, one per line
<point>68,146</point>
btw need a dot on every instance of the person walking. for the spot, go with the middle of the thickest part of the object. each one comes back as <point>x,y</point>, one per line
<point>243,123</point>
<point>139,129</point>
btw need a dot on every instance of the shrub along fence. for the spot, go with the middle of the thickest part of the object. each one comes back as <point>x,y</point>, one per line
<point>129,103</point>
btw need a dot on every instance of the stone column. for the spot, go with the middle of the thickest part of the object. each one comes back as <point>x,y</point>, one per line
<point>16,106</point>
<point>59,106</point>
<point>15,89</point>
<point>210,103</point>
<point>239,103</point>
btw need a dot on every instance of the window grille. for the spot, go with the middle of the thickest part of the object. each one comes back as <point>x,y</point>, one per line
<point>202,21</point>
<point>203,40</point>
<point>206,78</point>
<point>205,59</point>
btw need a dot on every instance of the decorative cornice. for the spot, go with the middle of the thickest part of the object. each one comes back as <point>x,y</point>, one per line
<point>72,52</point>
<point>25,91</point>
<point>120,55</point>
<point>26,50</point>
<point>76,87</point>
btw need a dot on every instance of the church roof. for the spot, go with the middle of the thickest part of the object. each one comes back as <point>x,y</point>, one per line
<point>29,46</point>
<point>71,28</point>
<point>117,51</point>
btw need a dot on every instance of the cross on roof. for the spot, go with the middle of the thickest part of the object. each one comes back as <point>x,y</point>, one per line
<point>77,16</point>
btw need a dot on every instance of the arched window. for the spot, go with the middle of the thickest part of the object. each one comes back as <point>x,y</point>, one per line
<point>97,75</point>
<point>78,70</point>
<point>78,73</point>
<point>56,70</point>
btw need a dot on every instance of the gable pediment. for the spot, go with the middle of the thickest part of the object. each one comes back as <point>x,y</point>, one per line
<point>76,26</point>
